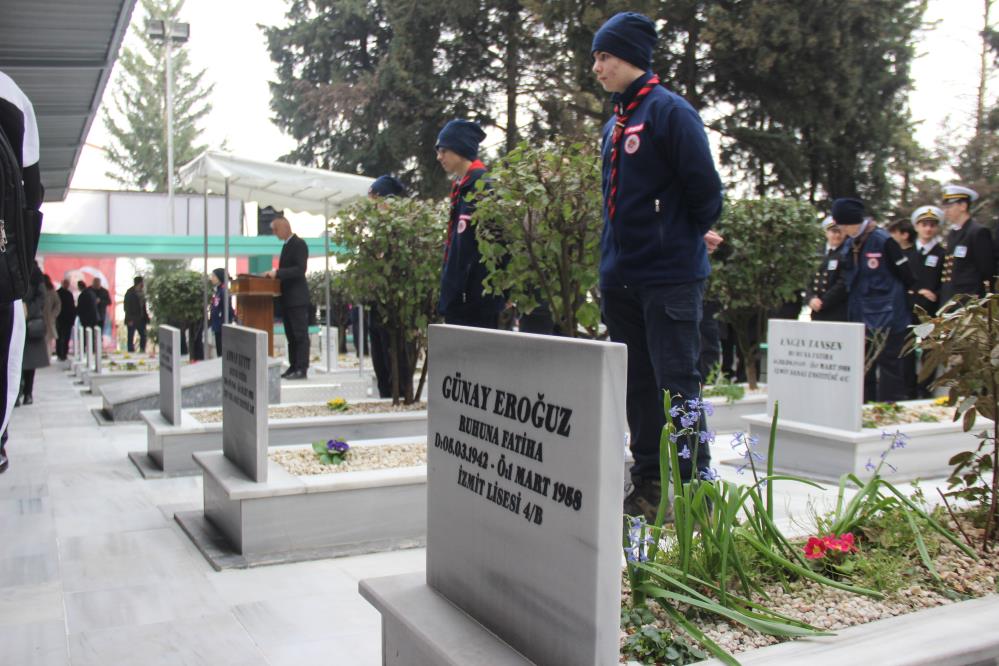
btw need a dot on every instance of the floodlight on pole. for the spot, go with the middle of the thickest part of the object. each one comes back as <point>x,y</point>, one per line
<point>169,32</point>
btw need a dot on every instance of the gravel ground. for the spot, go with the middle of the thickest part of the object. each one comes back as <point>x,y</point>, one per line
<point>834,610</point>
<point>907,414</point>
<point>317,409</point>
<point>303,461</point>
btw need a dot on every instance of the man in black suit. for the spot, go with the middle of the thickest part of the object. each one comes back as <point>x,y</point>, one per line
<point>65,319</point>
<point>294,297</point>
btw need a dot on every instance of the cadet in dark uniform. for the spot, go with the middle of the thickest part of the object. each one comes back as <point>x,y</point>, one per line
<point>662,194</point>
<point>827,275</point>
<point>903,233</point>
<point>970,263</point>
<point>876,276</point>
<point>928,270</point>
<point>461,301</point>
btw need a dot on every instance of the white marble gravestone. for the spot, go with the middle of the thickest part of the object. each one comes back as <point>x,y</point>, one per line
<point>815,370</point>
<point>170,395</point>
<point>88,344</point>
<point>78,341</point>
<point>98,349</point>
<point>244,400</point>
<point>525,452</point>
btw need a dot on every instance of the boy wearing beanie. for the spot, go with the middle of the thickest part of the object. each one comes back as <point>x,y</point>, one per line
<point>876,276</point>
<point>462,302</point>
<point>662,194</point>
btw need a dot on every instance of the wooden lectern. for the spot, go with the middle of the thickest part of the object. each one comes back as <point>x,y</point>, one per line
<point>255,304</point>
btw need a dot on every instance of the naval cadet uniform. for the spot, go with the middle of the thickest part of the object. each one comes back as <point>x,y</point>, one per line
<point>969,266</point>
<point>827,275</point>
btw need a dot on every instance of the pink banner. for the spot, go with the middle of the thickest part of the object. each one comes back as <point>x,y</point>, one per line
<point>86,269</point>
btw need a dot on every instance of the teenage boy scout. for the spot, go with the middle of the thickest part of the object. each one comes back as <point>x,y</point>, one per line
<point>662,194</point>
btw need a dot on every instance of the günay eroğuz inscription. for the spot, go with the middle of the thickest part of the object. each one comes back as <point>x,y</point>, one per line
<point>511,483</point>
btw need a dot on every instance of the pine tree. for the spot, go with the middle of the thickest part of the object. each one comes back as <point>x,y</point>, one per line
<point>138,128</point>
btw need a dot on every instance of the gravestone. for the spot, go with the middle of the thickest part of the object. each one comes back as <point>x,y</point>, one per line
<point>815,370</point>
<point>88,344</point>
<point>98,349</point>
<point>170,398</point>
<point>78,341</point>
<point>244,400</point>
<point>525,489</point>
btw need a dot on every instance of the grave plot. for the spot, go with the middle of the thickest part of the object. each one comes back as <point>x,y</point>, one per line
<point>257,511</point>
<point>170,446</point>
<point>815,372</point>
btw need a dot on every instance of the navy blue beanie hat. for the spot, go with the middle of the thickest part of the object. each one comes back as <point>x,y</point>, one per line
<point>848,211</point>
<point>629,36</point>
<point>387,186</point>
<point>462,137</point>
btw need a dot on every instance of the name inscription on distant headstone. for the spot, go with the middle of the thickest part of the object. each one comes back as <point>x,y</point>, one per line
<point>815,370</point>
<point>525,486</point>
<point>245,399</point>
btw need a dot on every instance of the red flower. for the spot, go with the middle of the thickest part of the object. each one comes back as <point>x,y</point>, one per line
<point>846,543</point>
<point>815,549</point>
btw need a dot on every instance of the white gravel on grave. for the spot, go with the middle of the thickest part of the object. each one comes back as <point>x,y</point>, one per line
<point>303,461</point>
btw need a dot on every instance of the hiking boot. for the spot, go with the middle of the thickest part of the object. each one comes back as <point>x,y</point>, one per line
<point>643,500</point>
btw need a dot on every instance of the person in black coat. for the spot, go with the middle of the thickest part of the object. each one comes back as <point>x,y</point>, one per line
<point>86,305</point>
<point>969,267</point>
<point>826,303</point>
<point>136,316</point>
<point>64,321</point>
<point>929,271</point>
<point>294,297</point>
<point>103,302</point>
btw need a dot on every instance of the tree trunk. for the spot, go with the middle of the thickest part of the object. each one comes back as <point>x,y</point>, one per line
<point>512,69</point>
<point>394,363</point>
<point>423,376</point>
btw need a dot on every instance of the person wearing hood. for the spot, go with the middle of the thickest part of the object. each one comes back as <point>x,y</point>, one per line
<point>220,299</point>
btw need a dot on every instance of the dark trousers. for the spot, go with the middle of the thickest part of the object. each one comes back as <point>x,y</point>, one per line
<point>539,321</point>
<point>710,334</point>
<point>381,359</point>
<point>28,382</point>
<point>132,329</point>
<point>64,332</point>
<point>218,342</point>
<point>296,329</point>
<point>885,382</point>
<point>659,324</point>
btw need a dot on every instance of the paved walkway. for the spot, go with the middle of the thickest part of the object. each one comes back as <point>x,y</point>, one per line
<point>94,571</point>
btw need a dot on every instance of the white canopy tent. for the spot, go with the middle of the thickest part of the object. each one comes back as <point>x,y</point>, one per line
<point>299,188</point>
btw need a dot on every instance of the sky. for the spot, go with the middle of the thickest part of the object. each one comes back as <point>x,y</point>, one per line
<point>226,41</point>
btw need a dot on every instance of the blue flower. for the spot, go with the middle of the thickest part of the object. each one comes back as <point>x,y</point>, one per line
<point>869,466</point>
<point>689,419</point>
<point>706,436</point>
<point>708,474</point>
<point>675,411</point>
<point>737,439</point>
<point>753,441</point>
<point>337,446</point>
<point>684,452</point>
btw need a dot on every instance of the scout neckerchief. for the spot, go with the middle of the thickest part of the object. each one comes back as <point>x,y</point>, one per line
<point>455,193</point>
<point>619,125</point>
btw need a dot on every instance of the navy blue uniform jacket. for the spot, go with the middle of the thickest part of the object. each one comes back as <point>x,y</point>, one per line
<point>461,279</point>
<point>668,194</point>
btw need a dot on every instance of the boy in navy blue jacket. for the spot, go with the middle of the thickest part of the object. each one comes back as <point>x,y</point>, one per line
<point>461,301</point>
<point>662,194</point>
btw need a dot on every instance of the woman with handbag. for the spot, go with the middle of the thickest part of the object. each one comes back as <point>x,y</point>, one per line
<point>36,353</point>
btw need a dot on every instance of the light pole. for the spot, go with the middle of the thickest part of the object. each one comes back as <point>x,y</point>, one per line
<point>169,32</point>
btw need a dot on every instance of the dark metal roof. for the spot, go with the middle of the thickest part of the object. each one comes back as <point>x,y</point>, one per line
<point>60,53</point>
